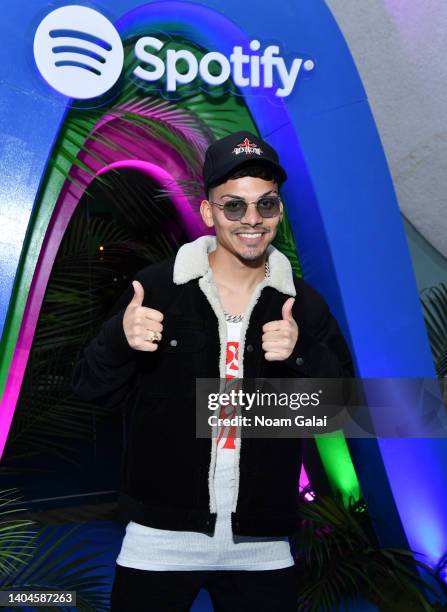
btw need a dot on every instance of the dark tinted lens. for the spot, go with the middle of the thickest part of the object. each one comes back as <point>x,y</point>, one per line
<point>268,206</point>
<point>234,209</point>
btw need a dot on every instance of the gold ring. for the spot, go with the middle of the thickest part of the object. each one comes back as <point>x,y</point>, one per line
<point>155,337</point>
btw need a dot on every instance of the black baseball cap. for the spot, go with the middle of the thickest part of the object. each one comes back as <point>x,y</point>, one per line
<point>235,150</point>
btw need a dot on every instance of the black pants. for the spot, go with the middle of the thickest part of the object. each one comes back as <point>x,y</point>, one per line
<point>230,591</point>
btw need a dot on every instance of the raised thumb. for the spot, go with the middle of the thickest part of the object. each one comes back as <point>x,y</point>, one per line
<point>286,311</point>
<point>138,296</point>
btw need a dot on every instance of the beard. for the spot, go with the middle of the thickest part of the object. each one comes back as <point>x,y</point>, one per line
<point>248,254</point>
<point>253,256</point>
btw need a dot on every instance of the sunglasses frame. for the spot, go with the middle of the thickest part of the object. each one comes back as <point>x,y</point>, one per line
<point>247,204</point>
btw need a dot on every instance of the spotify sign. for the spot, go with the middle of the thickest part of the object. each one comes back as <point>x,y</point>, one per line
<point>80,54</point>
<point>245,70</point>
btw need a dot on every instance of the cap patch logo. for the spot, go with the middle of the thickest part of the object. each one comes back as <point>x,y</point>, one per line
<point>247,147</point>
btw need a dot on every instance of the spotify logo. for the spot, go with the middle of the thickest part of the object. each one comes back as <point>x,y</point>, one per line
<point>78,52</point>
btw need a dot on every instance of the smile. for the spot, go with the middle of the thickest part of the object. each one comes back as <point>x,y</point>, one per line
<point>251,238</point>
<point>251,235</point>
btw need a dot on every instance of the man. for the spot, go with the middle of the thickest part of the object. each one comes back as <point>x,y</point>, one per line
<point>211,513</point>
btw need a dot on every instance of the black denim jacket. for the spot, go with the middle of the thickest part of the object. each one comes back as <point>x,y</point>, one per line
<point>167,473</point>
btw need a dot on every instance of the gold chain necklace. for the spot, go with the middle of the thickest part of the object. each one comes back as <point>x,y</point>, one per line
<point>237,318</point>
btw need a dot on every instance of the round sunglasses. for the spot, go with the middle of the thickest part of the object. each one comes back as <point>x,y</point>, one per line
<point>235,209</point>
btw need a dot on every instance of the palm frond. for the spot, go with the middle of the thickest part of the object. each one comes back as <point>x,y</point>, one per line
<point>339,559</point>
<point>285,242</point>
<point>99,253</point>
<point>434,303</point>
<point>60,562</point>
<point>16,537</point>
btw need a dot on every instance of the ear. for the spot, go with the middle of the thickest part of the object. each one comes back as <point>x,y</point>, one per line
<point>206,213</point>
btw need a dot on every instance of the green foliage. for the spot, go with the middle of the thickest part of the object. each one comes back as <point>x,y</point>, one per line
<point>15,536</point>
<point>434,303</point>
<point>285,242</point>
<point>58,563</point>
<point>339,559</point>
<point>47,559</point>
<point>105,243</point>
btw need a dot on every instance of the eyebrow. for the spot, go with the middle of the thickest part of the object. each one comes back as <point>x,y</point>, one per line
<point>238,197</point>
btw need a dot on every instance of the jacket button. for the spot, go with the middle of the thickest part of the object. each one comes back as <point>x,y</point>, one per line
<point>208,523</point>
<point>299,361</point>
<point>173,342</point>
<point>249,348</point>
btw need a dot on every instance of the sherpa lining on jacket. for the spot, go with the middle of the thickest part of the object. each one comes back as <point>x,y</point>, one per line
<point>192,262</point>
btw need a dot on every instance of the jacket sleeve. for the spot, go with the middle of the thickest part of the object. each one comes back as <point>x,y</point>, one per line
<point>107,364</point>
<point>321,350</point>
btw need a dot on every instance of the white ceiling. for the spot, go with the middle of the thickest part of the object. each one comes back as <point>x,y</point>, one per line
<point>400,48</point>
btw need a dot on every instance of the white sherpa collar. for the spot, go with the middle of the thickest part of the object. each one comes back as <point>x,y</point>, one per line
<point>192,262</point>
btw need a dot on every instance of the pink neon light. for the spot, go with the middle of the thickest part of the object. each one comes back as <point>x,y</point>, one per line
<point>304,482</point>
<point>186,214</point>
<point>63,211</point>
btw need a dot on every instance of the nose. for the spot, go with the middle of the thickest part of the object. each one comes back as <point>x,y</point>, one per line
<point>252,216</point>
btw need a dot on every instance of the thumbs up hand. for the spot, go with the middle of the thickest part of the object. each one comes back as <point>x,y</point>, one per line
<point>279,337</point>
<point>142,325</point>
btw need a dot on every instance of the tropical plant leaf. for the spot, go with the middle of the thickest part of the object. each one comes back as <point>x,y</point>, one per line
<point>57,563</point>
<point>434,303</point>
<point>16,537</point>
<point>339,559</point>
<point>89,273</point>
<point>285,242</point>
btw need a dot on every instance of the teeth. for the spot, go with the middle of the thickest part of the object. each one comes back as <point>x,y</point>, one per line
<point>250,235</point>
